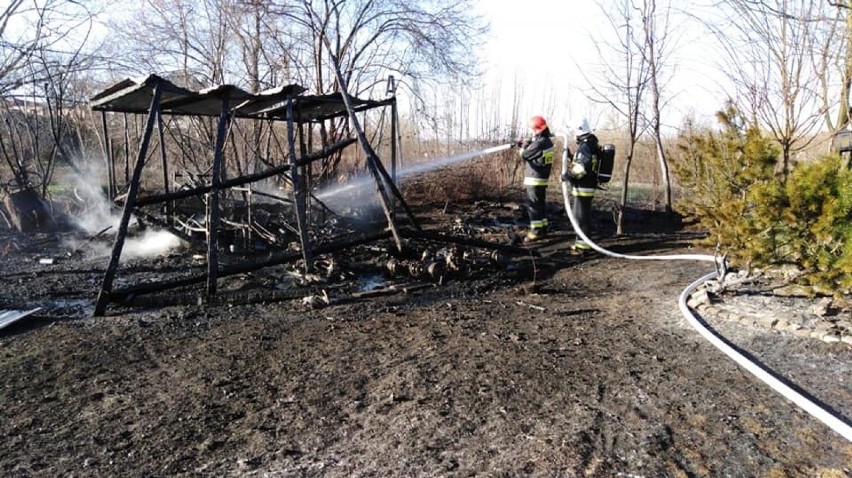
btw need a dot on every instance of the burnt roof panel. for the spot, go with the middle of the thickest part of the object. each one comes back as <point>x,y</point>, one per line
<point>207,102</point>
<point>134,95</point>
<point>319,107</point>
<point>266,100</point>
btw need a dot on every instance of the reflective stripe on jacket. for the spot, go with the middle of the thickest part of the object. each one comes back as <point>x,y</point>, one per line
<point>583,192</point>
<point>528,181</point>
<point>538,157</point>
<point>539,224</point>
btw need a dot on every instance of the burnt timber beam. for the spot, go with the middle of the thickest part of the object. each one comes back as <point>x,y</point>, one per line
<point>394,139</point>
<point>109,275</point>
<point>392,185</point>
<point>161,136</point>
<point>298,190</point>
<point>243,268</point>
<point>468,241</point>
<point>242,180</point>
<point>213,204</point>
<point>370,153</point>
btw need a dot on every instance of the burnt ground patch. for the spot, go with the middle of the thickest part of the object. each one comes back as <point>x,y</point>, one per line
<point>539,366</point>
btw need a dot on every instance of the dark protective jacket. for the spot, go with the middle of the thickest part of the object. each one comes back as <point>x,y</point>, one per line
<point>583,170</point>
<point>538,156</point>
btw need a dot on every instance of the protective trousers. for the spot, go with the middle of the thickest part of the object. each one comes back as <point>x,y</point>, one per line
<point>537,208</point>
<point>582,209</point>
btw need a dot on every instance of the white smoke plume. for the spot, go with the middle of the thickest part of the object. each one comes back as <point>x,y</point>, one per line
<point>97,215</point>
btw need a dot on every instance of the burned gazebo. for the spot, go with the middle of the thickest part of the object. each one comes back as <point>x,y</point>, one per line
<point>157,98</point>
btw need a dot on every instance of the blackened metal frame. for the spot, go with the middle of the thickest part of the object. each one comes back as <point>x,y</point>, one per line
<point>156,97</point>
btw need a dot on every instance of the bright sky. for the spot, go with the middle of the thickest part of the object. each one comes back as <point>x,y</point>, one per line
<point>540,44</point>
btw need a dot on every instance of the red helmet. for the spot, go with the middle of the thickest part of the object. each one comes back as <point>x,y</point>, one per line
<point>538,124</point>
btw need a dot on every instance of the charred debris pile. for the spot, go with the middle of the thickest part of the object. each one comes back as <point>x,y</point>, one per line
<point>266,233</point>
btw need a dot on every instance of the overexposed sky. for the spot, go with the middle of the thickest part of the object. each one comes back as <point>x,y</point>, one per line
<point>539,45</point>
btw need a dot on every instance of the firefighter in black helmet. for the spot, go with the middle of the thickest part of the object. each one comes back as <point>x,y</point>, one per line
<point>537,153</point>
<point>584,182</point>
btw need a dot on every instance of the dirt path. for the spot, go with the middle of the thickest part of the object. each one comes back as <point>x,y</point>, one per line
<point>590,370</point>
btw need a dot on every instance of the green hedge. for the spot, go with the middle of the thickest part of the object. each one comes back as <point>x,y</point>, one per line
<point>760,219</point>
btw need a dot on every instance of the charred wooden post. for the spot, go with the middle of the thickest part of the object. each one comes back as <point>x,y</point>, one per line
<point>308,150</point>
<point>162,138</point>
<point>392,185</point>
<point>109,275</point>
<point>298,188</point>
<point>126,151</point>
<point>108,157</point>
<point>213,203</point>
<point>372,158</point>
<point>394,139</point>
<point>397,140</point>
<point>305,168</point>
<point>247,240</point>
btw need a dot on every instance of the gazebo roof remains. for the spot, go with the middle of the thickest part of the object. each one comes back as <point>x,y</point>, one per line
<point>134,96</point>
<point>155,96</point>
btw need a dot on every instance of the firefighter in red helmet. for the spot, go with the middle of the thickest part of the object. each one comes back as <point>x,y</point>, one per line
<point>537,154</point>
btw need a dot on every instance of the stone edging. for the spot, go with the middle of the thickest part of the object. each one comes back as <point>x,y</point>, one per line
<point>754,302</point>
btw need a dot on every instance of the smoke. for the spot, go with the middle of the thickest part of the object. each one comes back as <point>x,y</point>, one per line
<point>151,243</point>
<point>95,211</point>
<point>95,214</point>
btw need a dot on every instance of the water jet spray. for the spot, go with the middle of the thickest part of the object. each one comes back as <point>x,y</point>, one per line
<point>360,182</point>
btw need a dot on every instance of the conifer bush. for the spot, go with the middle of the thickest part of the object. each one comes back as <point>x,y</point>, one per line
<point>759,219</point>
<point>819,213</point>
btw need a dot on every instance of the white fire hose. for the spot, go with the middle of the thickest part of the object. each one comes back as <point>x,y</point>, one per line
<point>803,402</point>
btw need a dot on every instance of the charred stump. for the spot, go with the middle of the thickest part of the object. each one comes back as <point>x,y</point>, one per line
<point>28,212</point>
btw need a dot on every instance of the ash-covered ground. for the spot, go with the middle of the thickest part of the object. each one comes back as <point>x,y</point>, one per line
<point>551,366</point>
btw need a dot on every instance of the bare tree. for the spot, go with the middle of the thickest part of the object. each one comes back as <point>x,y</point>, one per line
<point>836,53</point>
<point>62,97</point>
<point>418,42</point>
<point>371,38</point>
<point>625,83</point>
<point>192,37</point>
<point>655,27</point>
<point>770,48</point>
<point>39,57</point>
